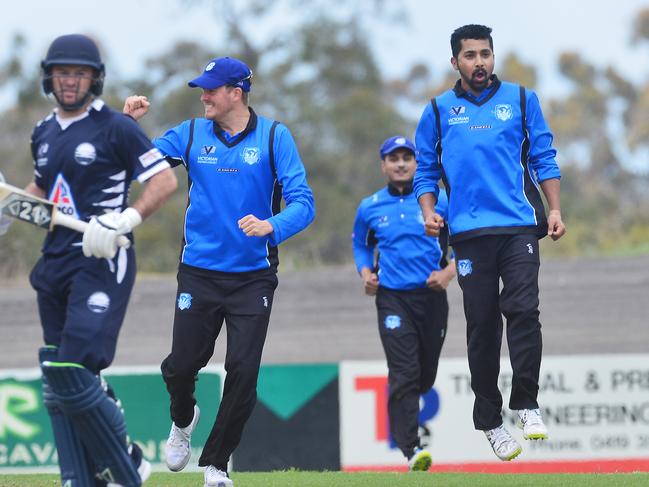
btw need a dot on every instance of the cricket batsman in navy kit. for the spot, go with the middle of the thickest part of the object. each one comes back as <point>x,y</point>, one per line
<point>487,139</point>
<point>240,165</point>
<point>409,281</point>
<point>85,157</point>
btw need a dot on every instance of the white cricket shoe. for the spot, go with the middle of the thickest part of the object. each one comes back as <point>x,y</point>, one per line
<point>179,449</point>
<point>420,461</point>
<point>216,478</point>
<point>531,422</point>
<point>504,445</point>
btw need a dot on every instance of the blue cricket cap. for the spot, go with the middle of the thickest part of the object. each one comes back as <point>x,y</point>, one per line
<point>224,71</point>
<point>394,143</point>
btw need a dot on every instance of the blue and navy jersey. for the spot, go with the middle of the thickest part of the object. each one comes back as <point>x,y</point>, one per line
<point>86,164</point>
<point>491,152</point>
<point>231,177</point>
<point>393,223</point>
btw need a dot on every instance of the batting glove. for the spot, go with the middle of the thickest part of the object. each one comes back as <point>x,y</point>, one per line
<point>100,237</point>
<point>5,221</point>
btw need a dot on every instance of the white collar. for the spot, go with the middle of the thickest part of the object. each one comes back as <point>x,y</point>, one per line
<point>64,123</point>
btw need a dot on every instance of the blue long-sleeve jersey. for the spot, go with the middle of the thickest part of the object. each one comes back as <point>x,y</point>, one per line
<point>491,152</point>
<point>393,223</point>
<point>231,177</point>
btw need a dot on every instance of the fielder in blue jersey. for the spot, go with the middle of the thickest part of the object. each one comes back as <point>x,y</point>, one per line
<point>240,166</point>
<point>85,158</point>
<point>409,280</point>
<point>488,141</point>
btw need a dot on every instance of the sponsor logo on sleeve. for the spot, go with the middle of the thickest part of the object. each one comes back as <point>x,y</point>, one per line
<point>150,157</point>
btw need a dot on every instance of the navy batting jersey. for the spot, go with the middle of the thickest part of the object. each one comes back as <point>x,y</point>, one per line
<point>393,222</point>
<point>231,177</point>
<point>86,164</point>
<point>492,152</point>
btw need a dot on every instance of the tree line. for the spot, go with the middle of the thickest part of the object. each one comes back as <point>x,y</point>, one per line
<point>319,77</point>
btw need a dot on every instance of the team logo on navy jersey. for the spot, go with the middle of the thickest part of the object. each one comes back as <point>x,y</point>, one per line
<point>392,322</point>
<point>503,112</point>
<point>251,155</point>
<point>98,302</point>
<point>465,267</point>
<point>85,154</point>
<point>62,196</point>
<point>41,158</point>
<point>184,301</point>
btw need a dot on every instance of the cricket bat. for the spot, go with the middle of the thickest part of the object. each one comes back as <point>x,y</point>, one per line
<point>19,204</point>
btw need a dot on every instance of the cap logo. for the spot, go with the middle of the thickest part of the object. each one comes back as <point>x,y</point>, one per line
<point>400,140</point>
<point>210,66</point>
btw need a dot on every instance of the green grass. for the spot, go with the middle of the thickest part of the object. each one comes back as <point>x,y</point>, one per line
<point>339,479</point>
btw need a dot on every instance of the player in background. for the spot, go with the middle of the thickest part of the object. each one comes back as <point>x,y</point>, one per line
<point>409,282</point>
<point>240,166</point>
<point>85,157</point>
<point>487,139</point>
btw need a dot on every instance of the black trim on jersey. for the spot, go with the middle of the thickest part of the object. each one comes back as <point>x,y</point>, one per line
<point>177,161</point>
<point>394,191</point>
<point>276,205</point>
<point>190,141</point>
<point>372,241</point>
<point>252,125</point>
<point>183,242</point>
<point>532,193</point>
<point>443,244</point>
<point>438,147</point>
<point>462,93</point>
<point>271,148</point>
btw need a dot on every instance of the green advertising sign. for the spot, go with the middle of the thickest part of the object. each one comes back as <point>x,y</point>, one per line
<point>26,436</point>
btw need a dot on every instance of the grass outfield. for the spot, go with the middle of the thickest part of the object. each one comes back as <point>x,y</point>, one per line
<point>336,479</point>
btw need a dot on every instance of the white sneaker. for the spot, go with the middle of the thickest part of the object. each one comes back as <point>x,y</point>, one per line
<point>420,461</point>
<point>179,449</point>
<point>504,445</point>
<point>216,478</point>
<point>531,422</point>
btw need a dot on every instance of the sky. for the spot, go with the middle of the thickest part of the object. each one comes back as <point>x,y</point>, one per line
<point>132,30</point>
